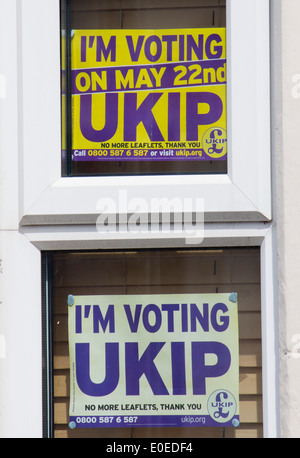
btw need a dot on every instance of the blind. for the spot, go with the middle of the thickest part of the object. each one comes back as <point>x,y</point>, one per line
<point>163,272</point>
<point>133,14</point>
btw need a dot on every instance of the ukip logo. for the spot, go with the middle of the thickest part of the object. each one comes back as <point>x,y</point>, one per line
<point>221,406</point>
<point>214,143</point>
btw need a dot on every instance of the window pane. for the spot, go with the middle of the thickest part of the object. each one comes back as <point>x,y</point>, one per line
<point>162,272</point>
<point>144,87</point>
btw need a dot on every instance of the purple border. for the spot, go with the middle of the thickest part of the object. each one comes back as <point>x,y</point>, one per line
<point>82,155</point>
<point>119,421</point>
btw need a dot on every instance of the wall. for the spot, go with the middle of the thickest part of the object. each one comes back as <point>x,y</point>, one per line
<point>286,112</point>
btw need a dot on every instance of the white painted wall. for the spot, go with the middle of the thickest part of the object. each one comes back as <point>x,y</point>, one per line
<point>286,112</point>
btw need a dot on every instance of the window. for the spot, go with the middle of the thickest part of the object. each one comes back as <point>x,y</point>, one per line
<point>243,194</point>
<point>58,210</point>
<point>139,78</point>
<point>162,272</point>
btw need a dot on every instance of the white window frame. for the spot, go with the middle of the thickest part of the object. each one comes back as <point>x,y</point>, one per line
<point>244,194</point>
<point>263,235</point>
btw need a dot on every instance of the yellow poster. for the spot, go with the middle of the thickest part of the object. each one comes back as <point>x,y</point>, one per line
<point>149,95</point>
<point>153,360</point>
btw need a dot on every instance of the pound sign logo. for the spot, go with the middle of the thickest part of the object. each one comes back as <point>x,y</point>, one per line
<point>214,143</point>
<point>221,406</point>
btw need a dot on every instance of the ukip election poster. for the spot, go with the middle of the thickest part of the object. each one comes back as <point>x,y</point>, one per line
<point>153,360</point>
<point>149,95</point>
